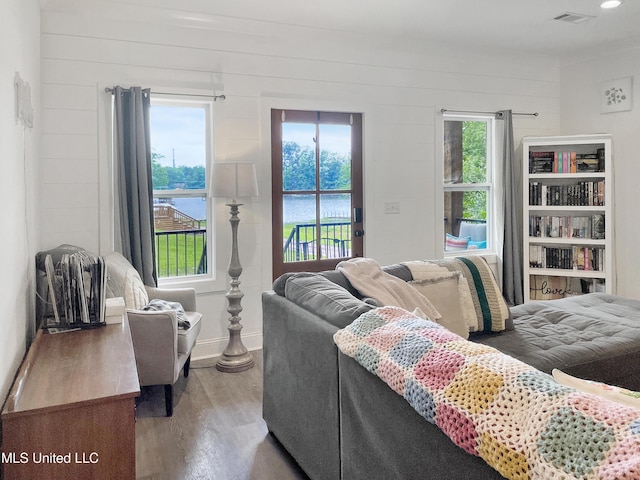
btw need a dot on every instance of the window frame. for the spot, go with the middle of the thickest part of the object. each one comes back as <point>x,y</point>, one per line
<point>489,186</point>
<point>207,281</point>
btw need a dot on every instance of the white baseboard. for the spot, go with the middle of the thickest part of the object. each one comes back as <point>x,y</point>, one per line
<point>213,347</point>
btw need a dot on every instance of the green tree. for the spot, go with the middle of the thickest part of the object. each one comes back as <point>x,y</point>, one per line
<point>194,177</point>
<point>298,167</point>
<point>158,172</point>
<point>176,177</point>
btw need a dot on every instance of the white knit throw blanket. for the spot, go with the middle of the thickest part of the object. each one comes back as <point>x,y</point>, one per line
<point>366,275</point>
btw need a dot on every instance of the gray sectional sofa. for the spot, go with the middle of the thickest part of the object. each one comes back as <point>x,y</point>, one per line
<point>339,421</point>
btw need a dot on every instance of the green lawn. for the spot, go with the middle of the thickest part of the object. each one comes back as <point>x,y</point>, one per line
<point>179,255</point>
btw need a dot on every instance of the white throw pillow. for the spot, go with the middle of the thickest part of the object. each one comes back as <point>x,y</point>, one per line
<point>443,293</point>
<point>135,295</point>
<point>609,392</point>
<point>463,299</point>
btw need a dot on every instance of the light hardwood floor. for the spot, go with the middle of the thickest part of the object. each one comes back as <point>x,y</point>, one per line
<point>216,432</point>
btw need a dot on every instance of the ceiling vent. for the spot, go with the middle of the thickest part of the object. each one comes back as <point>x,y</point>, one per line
<point>573,17</point>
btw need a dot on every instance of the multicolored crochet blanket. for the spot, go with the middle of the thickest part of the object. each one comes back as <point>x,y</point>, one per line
<point>518,419</point>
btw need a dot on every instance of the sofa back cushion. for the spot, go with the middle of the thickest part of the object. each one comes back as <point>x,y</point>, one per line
<point>321,296</point>
<point>335,276</point>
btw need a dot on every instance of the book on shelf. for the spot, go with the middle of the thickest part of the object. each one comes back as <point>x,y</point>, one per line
<point>542,162</point>
<point>597,226</point>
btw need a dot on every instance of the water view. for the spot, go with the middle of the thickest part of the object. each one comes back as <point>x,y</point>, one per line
<point>302,208</point>
<point>297,208</point>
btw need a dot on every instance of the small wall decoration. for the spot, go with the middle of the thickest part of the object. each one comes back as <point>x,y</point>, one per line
<point>24,109</point>
<point>616,95</point>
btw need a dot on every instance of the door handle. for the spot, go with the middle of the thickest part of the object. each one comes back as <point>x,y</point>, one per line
<point>359,233</point>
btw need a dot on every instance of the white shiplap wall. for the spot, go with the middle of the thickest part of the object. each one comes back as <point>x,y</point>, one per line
<point>398,85</point>
<point>581,87</point>
<point>19,53</point>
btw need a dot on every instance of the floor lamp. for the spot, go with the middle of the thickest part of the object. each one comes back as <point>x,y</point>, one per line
<point>234,181</point>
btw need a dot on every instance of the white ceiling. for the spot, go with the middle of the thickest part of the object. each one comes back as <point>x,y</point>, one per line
<point>506,24</point>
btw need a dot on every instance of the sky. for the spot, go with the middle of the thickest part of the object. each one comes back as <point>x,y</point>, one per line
<point>332,137</point>
<point>180,130</point>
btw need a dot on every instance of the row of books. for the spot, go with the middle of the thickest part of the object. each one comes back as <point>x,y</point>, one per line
<point>566,162</point>
<point>584,226</point>
<point>587,193</point>
<point>76,289</point>
<point>567,258</point>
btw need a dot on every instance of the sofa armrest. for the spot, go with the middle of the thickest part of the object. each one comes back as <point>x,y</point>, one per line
<point>185,296</point>
<point>300,394</point>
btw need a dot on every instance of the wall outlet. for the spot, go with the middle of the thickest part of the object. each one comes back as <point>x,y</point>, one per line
<point>391,208</point>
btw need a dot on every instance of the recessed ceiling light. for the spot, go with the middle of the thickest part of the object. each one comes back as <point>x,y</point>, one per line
<point>610,4</point>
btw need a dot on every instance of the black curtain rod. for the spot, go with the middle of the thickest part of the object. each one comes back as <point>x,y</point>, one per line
<point>215,97</point>
<point>498,114</point>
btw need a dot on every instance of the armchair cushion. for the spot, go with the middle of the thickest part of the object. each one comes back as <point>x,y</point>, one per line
<point>187,337</point>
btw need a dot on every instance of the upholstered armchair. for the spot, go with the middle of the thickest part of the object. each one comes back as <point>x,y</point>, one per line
<point>162,343</point>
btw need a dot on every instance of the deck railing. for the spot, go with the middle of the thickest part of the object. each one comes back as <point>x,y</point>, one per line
<point>181,252</point>
<point>302,244</point>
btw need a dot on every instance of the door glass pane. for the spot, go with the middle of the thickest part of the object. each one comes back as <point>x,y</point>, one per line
<point>298,156</point>
<point>299,229</point>
<point>335,225</point>
<point>335,157</point>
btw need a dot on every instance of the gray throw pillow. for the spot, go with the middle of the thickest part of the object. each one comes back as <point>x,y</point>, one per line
<point>321,296</point>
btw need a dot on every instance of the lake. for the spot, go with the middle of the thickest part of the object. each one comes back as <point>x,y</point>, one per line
<point>297,208</point>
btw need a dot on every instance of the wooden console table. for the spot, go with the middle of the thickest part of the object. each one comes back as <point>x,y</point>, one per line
<point>71,410</point>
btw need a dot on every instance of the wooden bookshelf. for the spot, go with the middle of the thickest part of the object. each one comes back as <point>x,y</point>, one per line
<point>567,216</point>
<point>71,410</point>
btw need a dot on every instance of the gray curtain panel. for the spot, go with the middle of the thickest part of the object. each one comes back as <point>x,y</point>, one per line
<point>134,182</point>
<point>512,280</point>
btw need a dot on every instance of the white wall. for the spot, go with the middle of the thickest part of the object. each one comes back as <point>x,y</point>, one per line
<point>581,88</point>
<point>400,89</point>
<point>19,52</point>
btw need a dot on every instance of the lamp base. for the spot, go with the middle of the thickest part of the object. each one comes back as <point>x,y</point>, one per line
<point>235,363</point>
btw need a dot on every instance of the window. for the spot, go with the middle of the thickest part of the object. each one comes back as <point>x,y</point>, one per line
<point>468,183</point>
<point>181,146</point>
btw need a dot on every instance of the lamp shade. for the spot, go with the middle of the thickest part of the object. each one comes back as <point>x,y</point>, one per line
<point>235,180</point>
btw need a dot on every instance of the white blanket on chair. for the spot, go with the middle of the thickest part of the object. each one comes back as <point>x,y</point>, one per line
<point>366,275</point>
